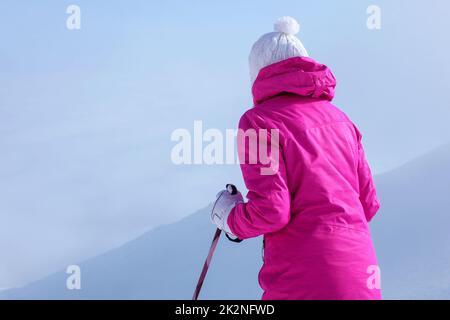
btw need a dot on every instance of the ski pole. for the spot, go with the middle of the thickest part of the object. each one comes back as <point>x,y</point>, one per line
<point>232,190</point>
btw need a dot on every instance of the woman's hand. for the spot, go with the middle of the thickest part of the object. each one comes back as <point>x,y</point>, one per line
<point>225,202</point>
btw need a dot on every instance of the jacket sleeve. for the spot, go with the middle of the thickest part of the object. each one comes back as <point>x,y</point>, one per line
<point>367,192</point>
<point>268,206</point>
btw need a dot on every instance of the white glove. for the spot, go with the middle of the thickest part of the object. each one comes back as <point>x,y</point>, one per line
<point>225,202</point>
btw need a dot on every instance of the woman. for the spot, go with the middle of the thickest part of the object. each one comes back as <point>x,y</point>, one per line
<point>314,208</point>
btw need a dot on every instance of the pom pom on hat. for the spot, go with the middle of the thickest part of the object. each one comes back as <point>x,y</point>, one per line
<point>287,25</point>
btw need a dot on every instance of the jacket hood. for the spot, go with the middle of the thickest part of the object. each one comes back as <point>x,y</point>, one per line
<point>299,75</point>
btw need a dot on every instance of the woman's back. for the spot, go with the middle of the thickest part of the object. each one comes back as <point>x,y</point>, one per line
<point>321,157</point>
<point>313,211</point>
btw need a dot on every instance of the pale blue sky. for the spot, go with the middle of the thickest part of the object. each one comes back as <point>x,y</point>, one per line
<point>86,116</point>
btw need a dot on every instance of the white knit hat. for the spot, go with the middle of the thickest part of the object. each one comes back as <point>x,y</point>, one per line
<point>276,46</point>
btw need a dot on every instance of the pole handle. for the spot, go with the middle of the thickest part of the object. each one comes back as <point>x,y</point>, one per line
<point>231,188</point>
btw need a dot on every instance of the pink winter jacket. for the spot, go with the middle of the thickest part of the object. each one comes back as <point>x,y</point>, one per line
<point>314,209</point>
